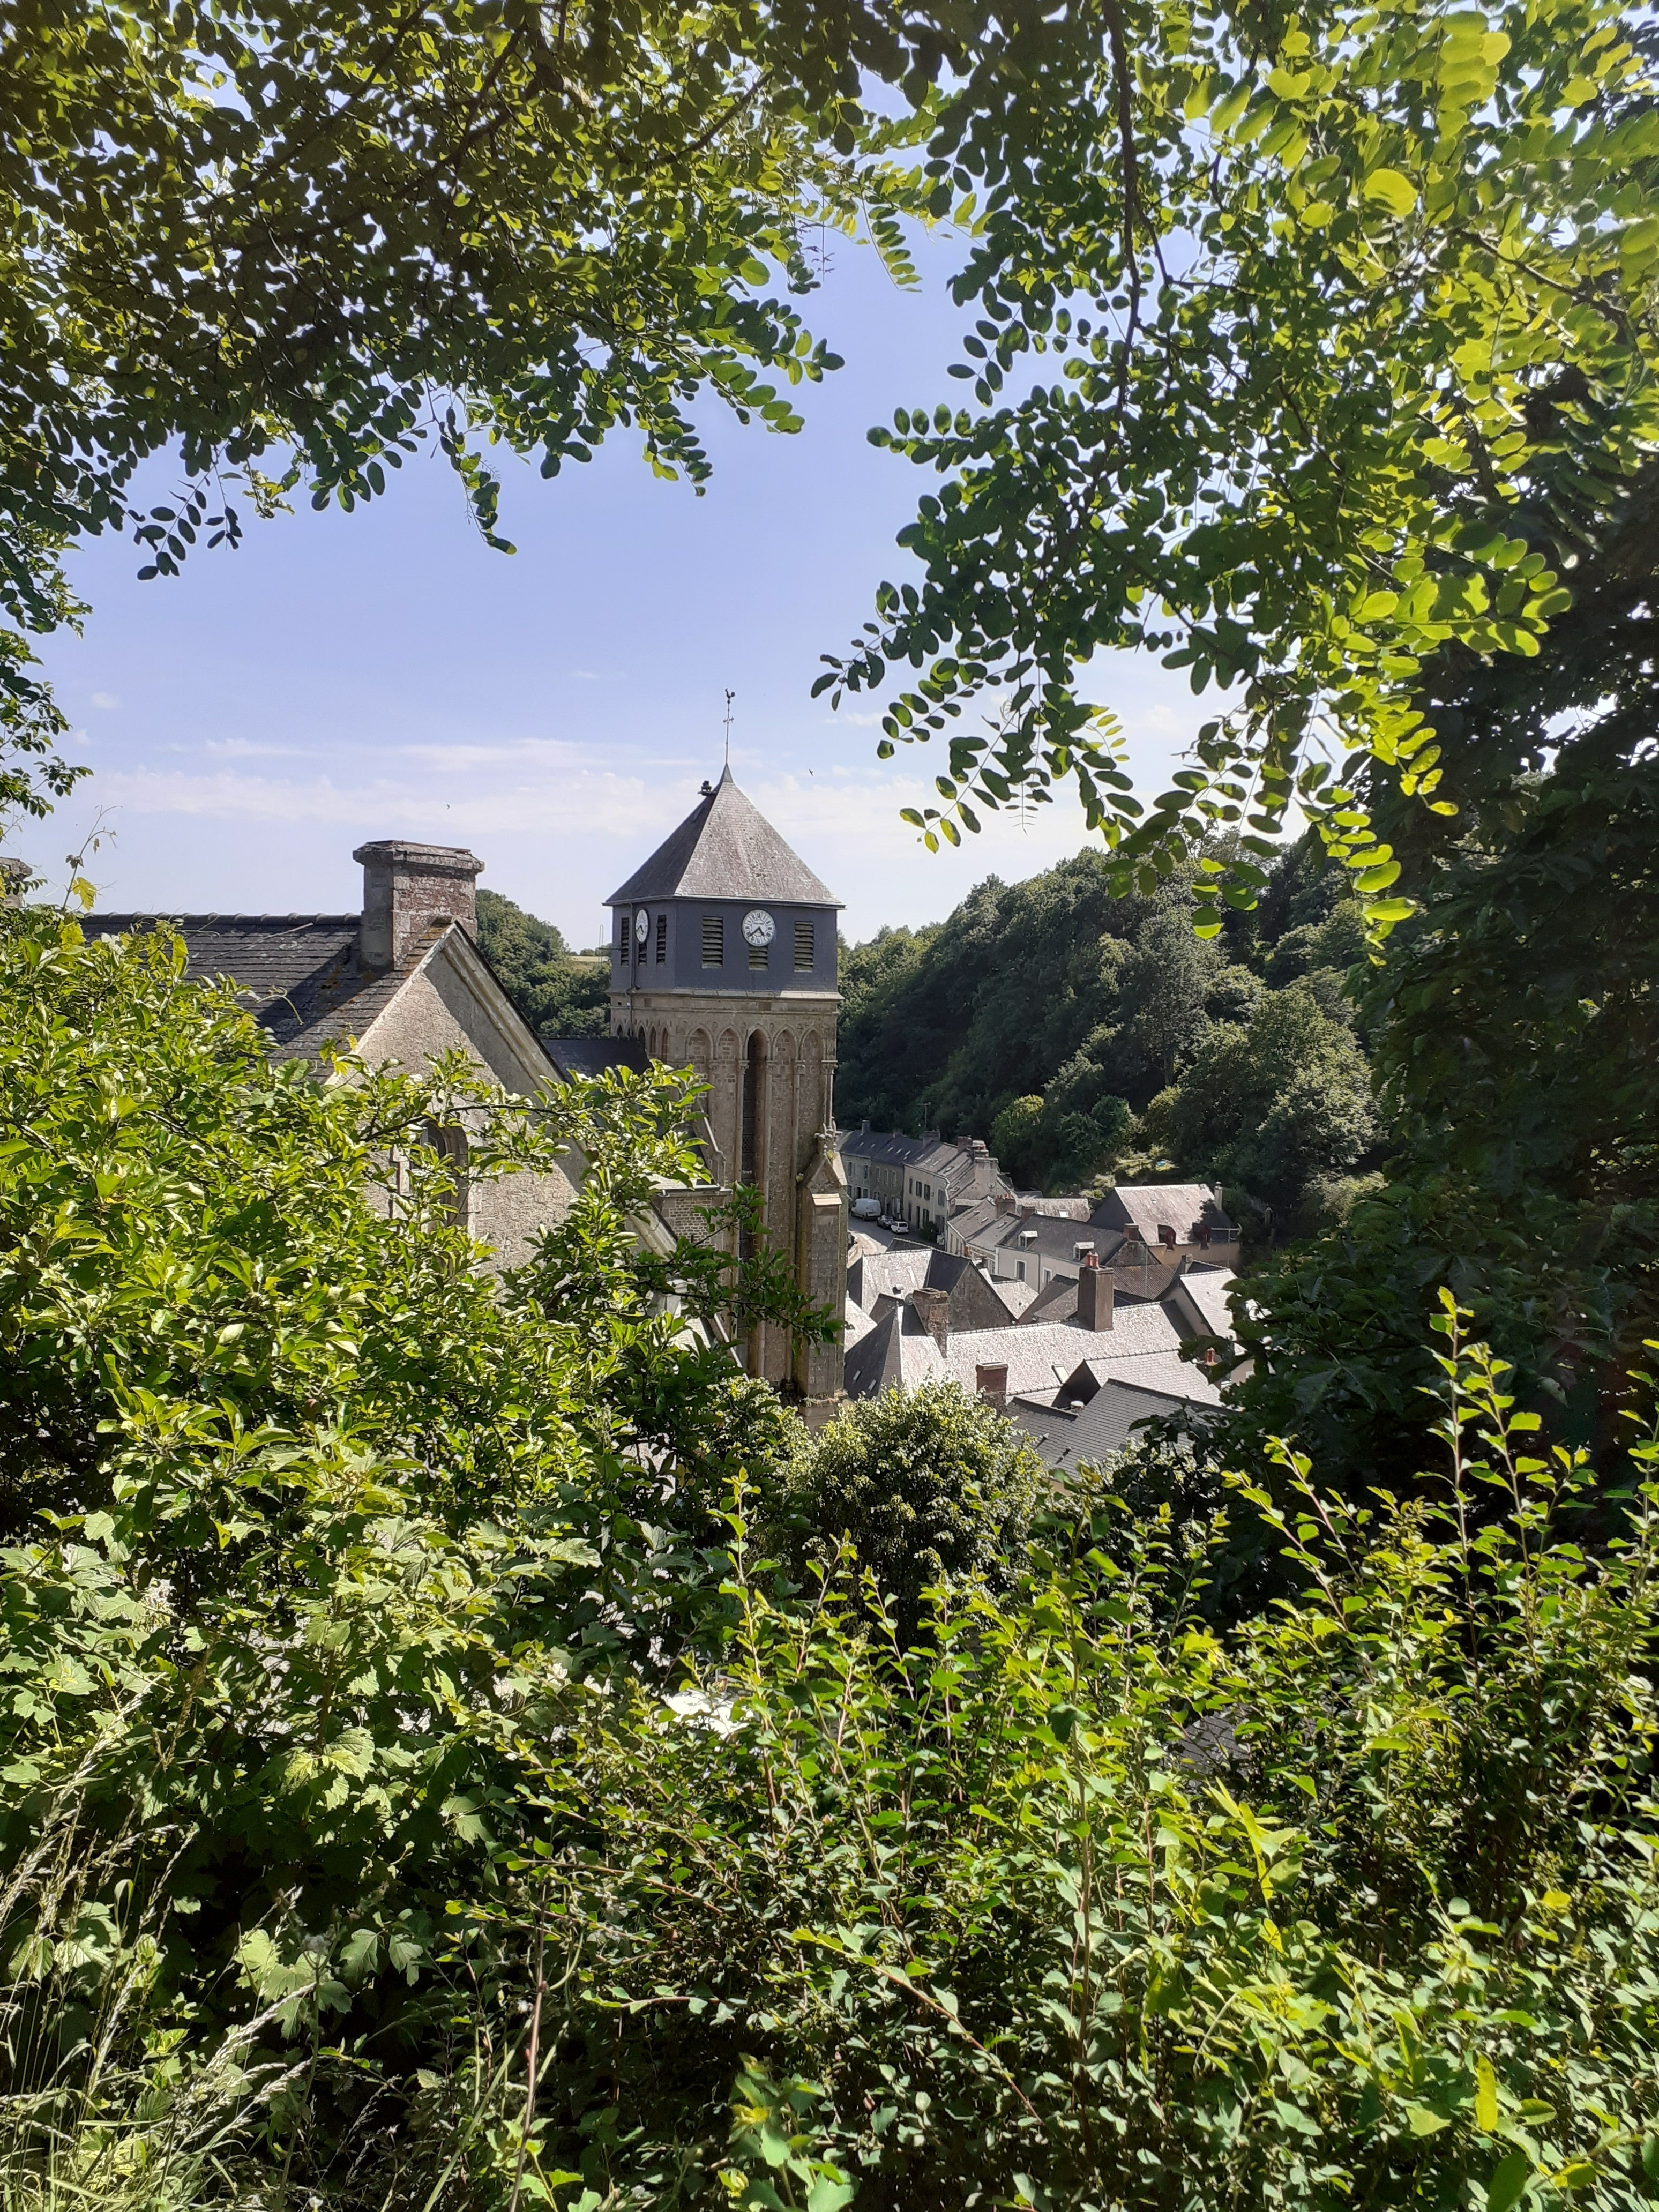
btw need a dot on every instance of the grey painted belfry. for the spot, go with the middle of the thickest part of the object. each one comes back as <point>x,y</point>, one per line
<point>723,957</point>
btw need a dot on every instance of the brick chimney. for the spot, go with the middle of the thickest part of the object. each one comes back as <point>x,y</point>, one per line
<point>933,1310</point>
<point>1005,1202</point>
<point>406,888</point>
<point>1095,1294</point>
<point>992,1384</point>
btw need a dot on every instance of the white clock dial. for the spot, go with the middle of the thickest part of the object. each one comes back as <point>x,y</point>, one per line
<point>758,926</point>
<point>641,925</point>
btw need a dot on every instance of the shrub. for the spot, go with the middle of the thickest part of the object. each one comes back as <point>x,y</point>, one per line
<point>927,1486</point>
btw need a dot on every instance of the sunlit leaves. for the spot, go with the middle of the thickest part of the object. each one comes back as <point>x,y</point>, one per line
<point>1392,282</point>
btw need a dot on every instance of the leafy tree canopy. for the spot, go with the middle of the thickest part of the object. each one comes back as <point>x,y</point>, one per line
<point>288,243</point>
<point>925,1486</point>
<point>1332,298</point>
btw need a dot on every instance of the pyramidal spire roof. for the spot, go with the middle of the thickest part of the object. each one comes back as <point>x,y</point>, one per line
<point>726,848</point>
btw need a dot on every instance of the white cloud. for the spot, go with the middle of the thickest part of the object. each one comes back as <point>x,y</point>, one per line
<point>106,699</point>
<point>586,803</point>
<point>248,749</point>
<point>523,752</point>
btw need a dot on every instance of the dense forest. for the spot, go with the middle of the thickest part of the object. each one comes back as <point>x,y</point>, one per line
<point>1086,1033</point>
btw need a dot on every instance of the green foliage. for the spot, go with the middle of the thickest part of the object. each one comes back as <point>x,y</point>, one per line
<point>926,1486</point>
<point>1276,1105</point>
<point>1085,1904</point>
<point>288,245</point>
<point>558,995</point>
<point>315,1529</point>
<point>1332,301</point>
<point>413,1788</point>
<point>1513,1028</point>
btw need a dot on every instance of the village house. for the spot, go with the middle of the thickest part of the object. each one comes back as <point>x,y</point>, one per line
<point>921,1180</point>
<point>1149,1228</point>
<point>1078,1381</point>
<point>403,982</point>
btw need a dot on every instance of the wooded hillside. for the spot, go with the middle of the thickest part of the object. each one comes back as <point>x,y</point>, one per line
<point>1078,1031</point>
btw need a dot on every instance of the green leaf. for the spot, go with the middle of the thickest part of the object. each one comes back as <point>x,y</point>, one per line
<point>1486,2096</point>
<point>1509,2177</point>
<point>1390,189</point>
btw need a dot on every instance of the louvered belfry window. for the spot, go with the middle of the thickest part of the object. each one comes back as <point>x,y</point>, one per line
<point>803,945</point>
<point>662,938</point>
<point>714,940</point>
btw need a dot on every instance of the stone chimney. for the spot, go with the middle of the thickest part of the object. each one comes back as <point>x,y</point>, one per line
<point>933,1310</point>
<point>407,888</point>
<point>992,1384</point>
<point>1095,1294</point>
<point>1005,1202</point>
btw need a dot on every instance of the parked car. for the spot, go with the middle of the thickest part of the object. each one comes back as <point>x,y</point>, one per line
<point>867,1209</point>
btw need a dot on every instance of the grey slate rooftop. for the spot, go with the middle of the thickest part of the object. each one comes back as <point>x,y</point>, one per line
<point>298,975</point>
<point>725,849</point>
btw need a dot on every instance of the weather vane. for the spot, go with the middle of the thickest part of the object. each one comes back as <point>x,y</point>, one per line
<point>730,696</point>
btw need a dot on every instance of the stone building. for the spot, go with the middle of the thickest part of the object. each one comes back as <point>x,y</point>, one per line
<point>724,957</point>
<point>402,982</point>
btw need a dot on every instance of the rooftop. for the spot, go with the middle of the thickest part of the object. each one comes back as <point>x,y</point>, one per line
<point>724,848</point>
<point>301,975</point>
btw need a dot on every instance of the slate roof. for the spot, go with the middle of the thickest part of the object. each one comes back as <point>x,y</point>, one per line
<point>298,975</point>
<point>1040,1356</point>
<point>856,1323</point>
<point>592,1056</point>
<point>896,1354</point>
<point>1207,1289</point>
<point>1147,1205</point>
<point>1096,1431</point>
<point>1051,1238</point>
<point>899,1270</point>
<point>890,1146</point>
<point>724,848</point>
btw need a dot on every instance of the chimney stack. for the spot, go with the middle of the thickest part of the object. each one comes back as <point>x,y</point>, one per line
<point>407,888</point>
<point>933,1310</point>
<point>1095,1294</point>
<point>992,1385</point>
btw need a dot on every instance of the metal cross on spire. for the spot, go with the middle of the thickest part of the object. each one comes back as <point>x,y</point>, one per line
<point>730,696</point>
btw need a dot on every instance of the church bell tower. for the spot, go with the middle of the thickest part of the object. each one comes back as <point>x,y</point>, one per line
<point>723,955</point>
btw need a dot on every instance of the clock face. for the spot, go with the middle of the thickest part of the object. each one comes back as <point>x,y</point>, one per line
<point>758,926</point>
<point>641,925</point>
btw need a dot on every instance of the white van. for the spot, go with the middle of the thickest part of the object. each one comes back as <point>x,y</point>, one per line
<point>867,1209</point>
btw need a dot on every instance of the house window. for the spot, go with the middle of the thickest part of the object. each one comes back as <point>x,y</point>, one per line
<point>803,946</point>
<point>662,938</point>
<point>714,940</point>
<point>1019,1270</point>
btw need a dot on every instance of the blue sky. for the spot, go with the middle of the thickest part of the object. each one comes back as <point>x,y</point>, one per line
<point>384,674</point>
